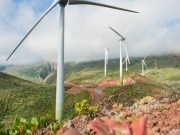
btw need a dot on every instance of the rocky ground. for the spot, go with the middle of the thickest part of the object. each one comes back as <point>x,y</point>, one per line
<point>163,115</point>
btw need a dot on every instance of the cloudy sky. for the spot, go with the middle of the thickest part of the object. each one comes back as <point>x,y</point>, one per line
<point>155,30</point>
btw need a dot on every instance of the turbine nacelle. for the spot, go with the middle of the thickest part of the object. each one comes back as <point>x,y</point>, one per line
<point>143,62</point>
<point>122,39</point>
<point>106,49</point>
<point>63,3</point>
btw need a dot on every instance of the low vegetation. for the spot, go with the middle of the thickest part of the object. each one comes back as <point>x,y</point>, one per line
<point>22,126</point>
<point>20,98</point>
<point>84,108</point>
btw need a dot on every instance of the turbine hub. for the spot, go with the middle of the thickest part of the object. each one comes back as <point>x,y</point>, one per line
<point>63,3</point>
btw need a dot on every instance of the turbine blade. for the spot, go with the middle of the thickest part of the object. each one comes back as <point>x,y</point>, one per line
<point>75,2</point>
<point>116,32</point>
<point>126,31</point>
<point>127,56</point>
<point>124,61</point>
<point>145,64</point>
<point>145,57</point>
<point>47,11</point>
<point>131,60</point>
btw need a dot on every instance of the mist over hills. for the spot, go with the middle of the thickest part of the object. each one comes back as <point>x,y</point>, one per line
<point>45,72</point>
<point>4,67</point>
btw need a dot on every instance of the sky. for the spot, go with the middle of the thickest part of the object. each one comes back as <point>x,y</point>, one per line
<point>153,31</point>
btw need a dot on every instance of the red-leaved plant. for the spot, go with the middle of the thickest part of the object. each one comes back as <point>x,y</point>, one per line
<point>105,126</point>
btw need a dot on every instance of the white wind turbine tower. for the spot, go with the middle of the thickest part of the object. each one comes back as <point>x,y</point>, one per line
<point>126,61</point>
<point>60,61</point>
<point>143,64</point>
<point>155,64</point>
<point>123,38</point>
<point>105,60</point>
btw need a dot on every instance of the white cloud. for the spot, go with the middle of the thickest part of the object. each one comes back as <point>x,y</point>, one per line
<point>154,30</point>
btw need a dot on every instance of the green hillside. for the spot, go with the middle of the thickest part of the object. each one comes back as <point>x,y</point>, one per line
<point>34,72</point>
<point>27,72</point>
<point>128,95</point>
<point>83,72</point>
<point>21,98</point>
<point>169,77</point>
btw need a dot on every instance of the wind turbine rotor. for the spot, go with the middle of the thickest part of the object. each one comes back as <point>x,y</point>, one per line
<point>117,33</point>
<point>47,11</point>
<point>127,56</point>
<point>74,2</point>
<point>144,63</point>
<point>126,31</point>
<point>145,57</point>
<point>124,60</point>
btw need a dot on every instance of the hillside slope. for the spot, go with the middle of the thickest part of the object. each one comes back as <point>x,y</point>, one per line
<point>35,72</point>
<point>21,98</point>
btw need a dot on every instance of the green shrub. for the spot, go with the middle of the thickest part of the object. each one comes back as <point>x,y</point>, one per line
<point>55,126</point>
<point>22,126</point>
<point>84,108</point>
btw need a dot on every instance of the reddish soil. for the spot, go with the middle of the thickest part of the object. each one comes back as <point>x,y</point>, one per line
<point>112,83</point>
<point>163,114</point>
<point>163,117</point>
<point>75,89</point>
<point>94,95</point>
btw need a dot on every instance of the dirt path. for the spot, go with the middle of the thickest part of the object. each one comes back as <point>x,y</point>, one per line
<point>94,96</point>
<point>92,90</point>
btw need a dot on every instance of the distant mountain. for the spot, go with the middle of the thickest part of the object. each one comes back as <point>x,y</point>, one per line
<point>4,67</point>
<point>47,69</point>
<point>34,72</point>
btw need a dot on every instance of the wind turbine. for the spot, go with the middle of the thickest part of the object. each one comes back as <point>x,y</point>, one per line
<point>123,38</point>
<point>126,61</point>
<point>105,60</point>
<point>155,64</point>
<point>60,61</point>
<point>143,64</point>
